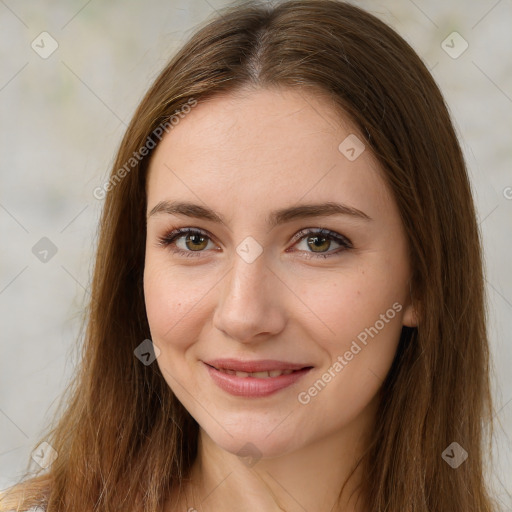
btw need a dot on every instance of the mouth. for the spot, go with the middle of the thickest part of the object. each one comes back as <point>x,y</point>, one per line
<point>254,378</point>
<point>262,368</point>
<point>257,375</point>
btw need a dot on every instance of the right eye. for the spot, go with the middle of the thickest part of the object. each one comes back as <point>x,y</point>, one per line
<point>195,240</point>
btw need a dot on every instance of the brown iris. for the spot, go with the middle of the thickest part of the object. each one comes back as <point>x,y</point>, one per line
<point>197,241</point>
<point>313,243</point>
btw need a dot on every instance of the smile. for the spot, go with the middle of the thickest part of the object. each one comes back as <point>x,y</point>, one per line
<point>257,375</point>
<point>238,381</point>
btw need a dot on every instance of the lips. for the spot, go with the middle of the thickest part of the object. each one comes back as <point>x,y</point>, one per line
<point>254,378</point>
<point>257,375</point>
<point>250,367</point>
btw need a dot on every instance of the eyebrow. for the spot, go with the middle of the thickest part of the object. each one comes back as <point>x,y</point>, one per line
<point>275,217</point>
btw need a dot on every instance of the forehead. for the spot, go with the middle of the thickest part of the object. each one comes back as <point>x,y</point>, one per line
<point>263,146</point>
<point>264,122</point>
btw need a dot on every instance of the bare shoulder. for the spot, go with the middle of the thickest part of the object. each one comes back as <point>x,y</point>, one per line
<point>6,506</point>
<point>32,509</point>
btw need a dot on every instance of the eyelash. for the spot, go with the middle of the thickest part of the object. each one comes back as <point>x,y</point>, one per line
<point>168,240</point>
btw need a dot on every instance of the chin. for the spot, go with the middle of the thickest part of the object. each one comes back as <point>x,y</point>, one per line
<point>252,442</point>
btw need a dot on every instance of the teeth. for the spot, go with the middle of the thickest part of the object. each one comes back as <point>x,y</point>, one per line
<point>261,375</point>
<point>258,375</point>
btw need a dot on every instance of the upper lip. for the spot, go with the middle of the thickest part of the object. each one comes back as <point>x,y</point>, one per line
<point>261,365</point>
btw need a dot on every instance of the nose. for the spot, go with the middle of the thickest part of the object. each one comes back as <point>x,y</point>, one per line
<point>249,308</point>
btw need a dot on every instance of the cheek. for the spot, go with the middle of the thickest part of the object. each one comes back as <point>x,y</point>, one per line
<point>172,306</point>
<point>173,311</point>
<point>341,305</point>
<point>357,324</point>
<point>364,323</point>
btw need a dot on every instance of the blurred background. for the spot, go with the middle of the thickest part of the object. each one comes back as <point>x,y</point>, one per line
<point>71,76</point>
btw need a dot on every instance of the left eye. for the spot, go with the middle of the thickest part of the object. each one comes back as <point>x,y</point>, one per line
<point>322,239</point>
<point>195,241</point>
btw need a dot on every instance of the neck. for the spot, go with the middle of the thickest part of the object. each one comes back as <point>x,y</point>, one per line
<point>310,478</point>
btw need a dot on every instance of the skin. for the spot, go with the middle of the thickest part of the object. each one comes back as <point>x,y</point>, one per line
<point>244,155</point>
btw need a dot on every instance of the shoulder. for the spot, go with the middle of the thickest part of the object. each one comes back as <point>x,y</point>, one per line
<point>33,509</point>
<point>3,495</point>
<point>14,498</point>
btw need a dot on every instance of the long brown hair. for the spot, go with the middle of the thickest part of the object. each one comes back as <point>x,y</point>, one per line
<point>123,439</point>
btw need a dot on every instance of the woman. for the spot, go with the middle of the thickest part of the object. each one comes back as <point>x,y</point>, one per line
<point>287,307</point>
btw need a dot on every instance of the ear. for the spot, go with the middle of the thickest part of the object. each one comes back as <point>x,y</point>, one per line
<point>411,315</point>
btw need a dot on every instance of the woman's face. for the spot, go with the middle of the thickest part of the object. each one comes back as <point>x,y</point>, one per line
<point>255,287</point>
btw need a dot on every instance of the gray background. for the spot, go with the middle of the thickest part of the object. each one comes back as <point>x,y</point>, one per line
<point>62,118</point>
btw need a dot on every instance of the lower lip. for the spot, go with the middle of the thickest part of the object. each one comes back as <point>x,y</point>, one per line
<point>253,386</point>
